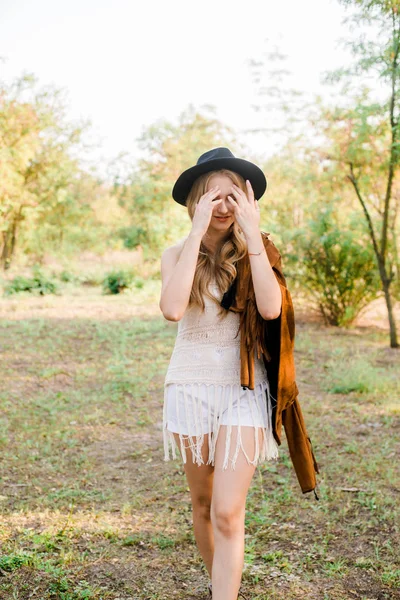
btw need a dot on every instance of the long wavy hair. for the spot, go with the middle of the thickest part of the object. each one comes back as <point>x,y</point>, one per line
<point>221,263</point>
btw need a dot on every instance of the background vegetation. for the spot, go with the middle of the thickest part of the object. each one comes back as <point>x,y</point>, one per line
<point>89,509</point>
<point>332,204</point>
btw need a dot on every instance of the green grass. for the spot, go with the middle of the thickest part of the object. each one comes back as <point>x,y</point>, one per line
<point>91,511</point>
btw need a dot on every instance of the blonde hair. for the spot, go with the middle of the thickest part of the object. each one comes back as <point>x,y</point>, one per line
<point>220,263</point>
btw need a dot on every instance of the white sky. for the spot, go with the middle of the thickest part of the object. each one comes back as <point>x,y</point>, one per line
<point>127,63</point>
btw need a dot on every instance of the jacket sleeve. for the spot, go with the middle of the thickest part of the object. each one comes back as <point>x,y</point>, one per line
<point>300,448</point>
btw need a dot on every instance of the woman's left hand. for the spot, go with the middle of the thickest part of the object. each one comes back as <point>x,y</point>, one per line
<point>247,211</point>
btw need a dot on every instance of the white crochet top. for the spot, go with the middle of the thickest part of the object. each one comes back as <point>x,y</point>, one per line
<point>207,349</point>
<point>203,383</point>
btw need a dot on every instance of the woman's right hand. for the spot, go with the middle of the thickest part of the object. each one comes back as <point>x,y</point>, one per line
<point>204,209</point>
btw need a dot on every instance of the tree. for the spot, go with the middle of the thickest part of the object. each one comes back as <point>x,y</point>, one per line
<point>169,148</point>
<point>37,161</point>
<point>364,135</point>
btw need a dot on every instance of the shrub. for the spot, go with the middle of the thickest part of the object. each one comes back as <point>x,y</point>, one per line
<point>11,562</point>
<point>139,283</point>
<point>337,266</point>
<point>116,281</point>
<point>66,276</point>
<point>39,284</point>
<point>132,236</point>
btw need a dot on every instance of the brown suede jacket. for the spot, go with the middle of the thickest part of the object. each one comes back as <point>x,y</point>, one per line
<point>274,340</point>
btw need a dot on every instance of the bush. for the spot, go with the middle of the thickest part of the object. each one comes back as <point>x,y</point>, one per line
<point>38,284</point>
<point>139,283</point>
<point>132,236</point>
<point>11,562</point>
<point>66,276</point>
<point>337,266</point>
<point>116,281</point>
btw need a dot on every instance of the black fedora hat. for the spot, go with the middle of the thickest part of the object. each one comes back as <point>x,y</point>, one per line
<point>213,160</point>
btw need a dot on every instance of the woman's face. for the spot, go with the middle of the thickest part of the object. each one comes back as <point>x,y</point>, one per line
<point>223,214</point>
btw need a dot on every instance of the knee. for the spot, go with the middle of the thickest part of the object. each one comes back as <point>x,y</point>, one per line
<point>202,506</point>
<point>227,521</point>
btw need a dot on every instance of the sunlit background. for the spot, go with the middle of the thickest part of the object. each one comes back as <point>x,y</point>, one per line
<point>102,106</point>
<point>126,64</point>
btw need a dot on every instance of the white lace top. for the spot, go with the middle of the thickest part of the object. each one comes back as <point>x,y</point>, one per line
<point>207,349</point>
<point>202,385</point>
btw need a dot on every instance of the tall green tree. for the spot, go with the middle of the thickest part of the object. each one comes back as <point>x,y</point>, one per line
<point>365,133</point>
<point>38,159</point>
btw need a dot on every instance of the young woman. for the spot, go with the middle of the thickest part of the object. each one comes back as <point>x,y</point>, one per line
<point>223,429</point>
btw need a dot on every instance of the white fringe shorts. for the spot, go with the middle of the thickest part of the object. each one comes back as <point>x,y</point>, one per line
<point>195,409</point>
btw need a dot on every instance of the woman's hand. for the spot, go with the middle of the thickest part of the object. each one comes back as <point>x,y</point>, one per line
<point>204,209</point>
<point>247,211</point>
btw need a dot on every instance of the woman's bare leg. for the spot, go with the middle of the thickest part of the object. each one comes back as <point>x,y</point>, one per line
<point>200,480</point>
<point>228,513</point>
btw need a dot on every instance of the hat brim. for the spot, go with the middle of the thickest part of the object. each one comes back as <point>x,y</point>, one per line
<point>245,168</point>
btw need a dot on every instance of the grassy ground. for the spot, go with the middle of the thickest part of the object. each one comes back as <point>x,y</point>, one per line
<point>90,510</point>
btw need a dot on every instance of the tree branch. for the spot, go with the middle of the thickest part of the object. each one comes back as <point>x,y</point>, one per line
<point>393,149</point>
<point>353,180</point>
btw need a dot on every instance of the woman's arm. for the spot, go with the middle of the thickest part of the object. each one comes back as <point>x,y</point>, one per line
<point>178,266</point>
<point>266,288</point>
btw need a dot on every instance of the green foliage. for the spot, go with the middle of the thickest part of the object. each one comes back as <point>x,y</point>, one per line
<point>37,163</point>
<point>38,284</point>
<point>132,236</point>
<point>132,540</point>
<point>347,388</point>
<point>346,374</point>
<point>169,148</point>
<point>10,562</point>
<point>273,557</point>
<point>117,281</point>
<point>139,283</point>
<point>163,541</point>
<point>363,135</point>
<point>337,266</point>
<point>66,276</point>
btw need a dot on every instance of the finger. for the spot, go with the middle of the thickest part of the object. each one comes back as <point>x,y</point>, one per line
<point>233,201</point>
<point>238,194</point>
<point>212,190</point>
<point>241,193</point>
<point>211,193</point>
<point>250,191</point>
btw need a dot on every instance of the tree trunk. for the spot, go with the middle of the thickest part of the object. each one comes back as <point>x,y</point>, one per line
<point>392,324</point>
<point>9,242</point>
<point>5,259</point>
<point>386,281</point>
<point>380,254</point>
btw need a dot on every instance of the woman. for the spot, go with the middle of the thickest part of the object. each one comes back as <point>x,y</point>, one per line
<point>223,428</point>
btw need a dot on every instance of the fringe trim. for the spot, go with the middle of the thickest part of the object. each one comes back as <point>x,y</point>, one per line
<point>216,404</point>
